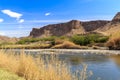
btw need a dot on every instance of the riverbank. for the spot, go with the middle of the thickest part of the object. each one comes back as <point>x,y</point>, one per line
<point>30,68</point>
<point>6,75</point>
<point>67,51</point>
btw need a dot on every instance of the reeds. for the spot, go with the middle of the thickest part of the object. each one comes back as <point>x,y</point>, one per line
<point>31,68</point>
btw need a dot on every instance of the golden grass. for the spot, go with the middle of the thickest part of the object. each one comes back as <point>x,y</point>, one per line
<point>67,45</point>
<point>114,43</point>
<point>37,68</point>
<point>26,46</point>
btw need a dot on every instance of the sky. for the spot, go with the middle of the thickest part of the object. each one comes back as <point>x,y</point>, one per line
<point>18,17</point>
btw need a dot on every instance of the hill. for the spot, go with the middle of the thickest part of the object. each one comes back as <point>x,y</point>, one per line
<point>79,27</point>
<point>68,29</point>
<point>5,39</point>
<point>112,28</point>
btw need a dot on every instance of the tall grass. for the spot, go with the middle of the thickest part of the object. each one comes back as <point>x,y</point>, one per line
<point>114,43</point>
<point>38,68</point>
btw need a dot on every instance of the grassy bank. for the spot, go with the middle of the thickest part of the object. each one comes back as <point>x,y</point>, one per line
<point>5,75</point>
<point>38,68</point>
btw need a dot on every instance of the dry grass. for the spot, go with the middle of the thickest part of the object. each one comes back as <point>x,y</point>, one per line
<point>37,68</point>
<point>114,43</point>
<point>26,46</point>
<point>59,41</point>
<point>67,45</point>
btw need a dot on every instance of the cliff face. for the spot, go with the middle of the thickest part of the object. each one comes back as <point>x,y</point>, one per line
<point>93,25</point>
<point>61,29</point>
<point>67,29</point>
<point>77,27</point>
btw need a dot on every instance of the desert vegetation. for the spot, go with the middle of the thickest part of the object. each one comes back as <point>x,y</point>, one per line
<point>29,68</point>
<point>88,39</point>
<point>114,43</point>
<point>74,42</point>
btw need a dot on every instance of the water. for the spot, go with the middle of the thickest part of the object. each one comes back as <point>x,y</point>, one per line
<point>104,67</point>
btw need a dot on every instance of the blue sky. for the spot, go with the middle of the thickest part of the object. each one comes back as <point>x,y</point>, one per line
<point>18,17</point>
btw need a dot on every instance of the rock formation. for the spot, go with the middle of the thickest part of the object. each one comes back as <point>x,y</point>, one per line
<point>67,29</point>
<point>112,27</point>
<point>78,27</point>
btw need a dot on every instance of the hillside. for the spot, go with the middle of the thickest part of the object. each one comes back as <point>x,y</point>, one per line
<point>112,28</point>
<point>79,27</point>
<point>67,29</point>
<point>5,39</point>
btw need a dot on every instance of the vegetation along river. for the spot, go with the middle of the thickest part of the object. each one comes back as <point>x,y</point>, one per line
<point>104,64</point>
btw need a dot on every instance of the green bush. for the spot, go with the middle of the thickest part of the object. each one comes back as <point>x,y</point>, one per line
<point>102,39</point>
<point>88,39</point>
<point>51,38</point>
<point>81,40</point>
<point>27,40</point>
<point>32,40</point>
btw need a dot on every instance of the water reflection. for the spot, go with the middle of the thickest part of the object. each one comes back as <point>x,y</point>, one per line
<point>116,59</point>
<point>80,58</point>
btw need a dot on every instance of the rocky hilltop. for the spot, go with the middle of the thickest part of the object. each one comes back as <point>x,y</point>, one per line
<point>5,39</point>
<point>78,27</point>
<point>112,27</point>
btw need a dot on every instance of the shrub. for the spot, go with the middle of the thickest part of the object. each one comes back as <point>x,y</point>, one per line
<point>50,38</point>
<point>27,40</point>
<point>80,40</point>
<point>102,39</point>
<point>88,39</point>
<point>32,40</point>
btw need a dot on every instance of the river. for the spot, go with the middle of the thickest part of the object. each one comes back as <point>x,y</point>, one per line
<point>104,64</point>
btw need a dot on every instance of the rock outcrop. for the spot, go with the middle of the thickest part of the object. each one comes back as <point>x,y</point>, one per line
<point>112,27</point>
<point>67,29</point>
<point>93,25</point>
<point>78,27</point>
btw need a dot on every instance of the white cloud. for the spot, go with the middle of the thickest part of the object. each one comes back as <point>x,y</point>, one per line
<point>1,20</point>
<point>15,33</point>
<point>12,14</point>
<point>21,20</point>
<point>2,33</point>
<point>47,14</point>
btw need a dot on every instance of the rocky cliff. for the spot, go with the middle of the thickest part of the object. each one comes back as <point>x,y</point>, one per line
<point>78,27</point>
<point>67,29</point>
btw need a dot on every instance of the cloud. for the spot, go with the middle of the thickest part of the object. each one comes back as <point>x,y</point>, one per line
<point>47,14</point>
<point>21,20</point>
<point>2,33</point>
<point>1,20</point>
<point>12,14</point>
<point>15,33</point>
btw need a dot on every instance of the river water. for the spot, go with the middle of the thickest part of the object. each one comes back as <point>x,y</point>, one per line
<point>104,66</point>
